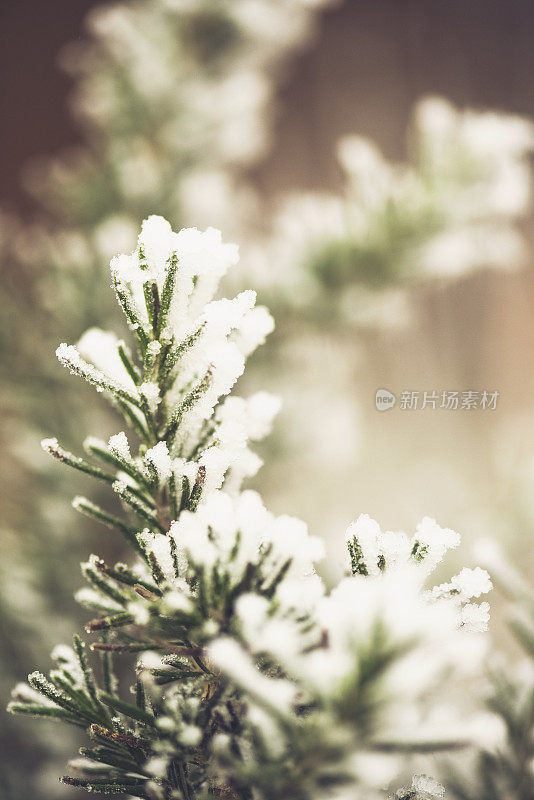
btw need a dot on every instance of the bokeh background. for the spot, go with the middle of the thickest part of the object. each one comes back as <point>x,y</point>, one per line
<point>345,68</point>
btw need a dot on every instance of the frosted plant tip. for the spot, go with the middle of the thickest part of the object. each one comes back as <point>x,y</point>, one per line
<point>79,501</point>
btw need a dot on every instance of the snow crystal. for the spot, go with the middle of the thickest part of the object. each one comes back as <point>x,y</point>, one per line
<point>264,633</point>
<point>100,348</point>
<point>228,365</point>
<point>23,692</point>
<point>63,653</point>
<point>66,659</point>
<point>200,253</point>
<point>203,251</point>
<point>365,531</point>
<point>139,613</point>
<point>90,598</point>
<point>118,445</point>
<point>364,163</point>
<point>217,461</point>
<point>177,601</point>
<point>261,409</point>
<point>166,724</point>
<point>210,535</point>
<point>191,539</point>
<point>93,441</point>
<point>436,116</point>
<point>256,325</point>
<point>291,540</point>
<point>252,610</point>
<point>81,764</point>
<point>160,459</point>
<point>68,355</point>
<point>157,241</point>
<point>150,392</point>
<point>266,727</point>
<point>472,582</point>
<point>125,268</point>
<point>395,602</point>
<point>395,547</point>
<point>223,316</point>
<point>428,786</point>
<point>79,501</point>
<point>190,735</point>
<point>231,659</point>
<point>159,545</point>
<point>50,445</point>
<point>251,515</point>
<point>209,628</point>
<point>157,766</point>
<point>434,542</point>
<point>246,466</point>
<point>221,742</point>
<point>232,434</point>
<point>301,593</point>
<point>474,617</point>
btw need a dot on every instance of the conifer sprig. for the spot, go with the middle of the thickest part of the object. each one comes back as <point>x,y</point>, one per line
<point>250,679</point>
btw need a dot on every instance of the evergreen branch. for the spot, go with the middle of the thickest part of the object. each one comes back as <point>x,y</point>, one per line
<point>132,419</point>
<point>150,292</point>
<point>196,491</point>
<point>177,771</point>
<point>98,448</point>
<point>79,648</point>
<point>53,447</point>
<point>167,294</point>
<point>50,712</point>
<point>106,660</point>
<point>128,363</point>
<point>38,682</point>
<point>435,746</point>
<point>278,577</point>
<point>141,509</point>
<point>134,712</point>
<point>118,451</point>
<point>185,496</point>
<point>122,647</point>
<point>174,555</point>
<point>106,623</point>
<point>122,574</point>
<point>244,717</point>
<point>108,786</point>
<point>84,704</point>
<point>94,576</point>
<point>147,413</point>
<point>140,695</point>
<point>163,677</point>
<point>173,495</point>
<point>155,568</point>
<point>70,358</point>
<point>186,405</point>
<point>85,506</point>
<point>125,739</point>
<point>110,757</point>
<point>130,312</point>
<point>174,354</point>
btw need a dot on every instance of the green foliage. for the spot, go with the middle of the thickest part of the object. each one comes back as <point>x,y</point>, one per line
<point>213,712</point>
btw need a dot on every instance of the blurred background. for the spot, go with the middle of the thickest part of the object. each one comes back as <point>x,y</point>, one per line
<point>373,158</point>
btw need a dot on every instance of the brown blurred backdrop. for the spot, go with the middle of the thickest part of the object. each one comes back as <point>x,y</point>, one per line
<point>375,58</point>
<point>372,61</point>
